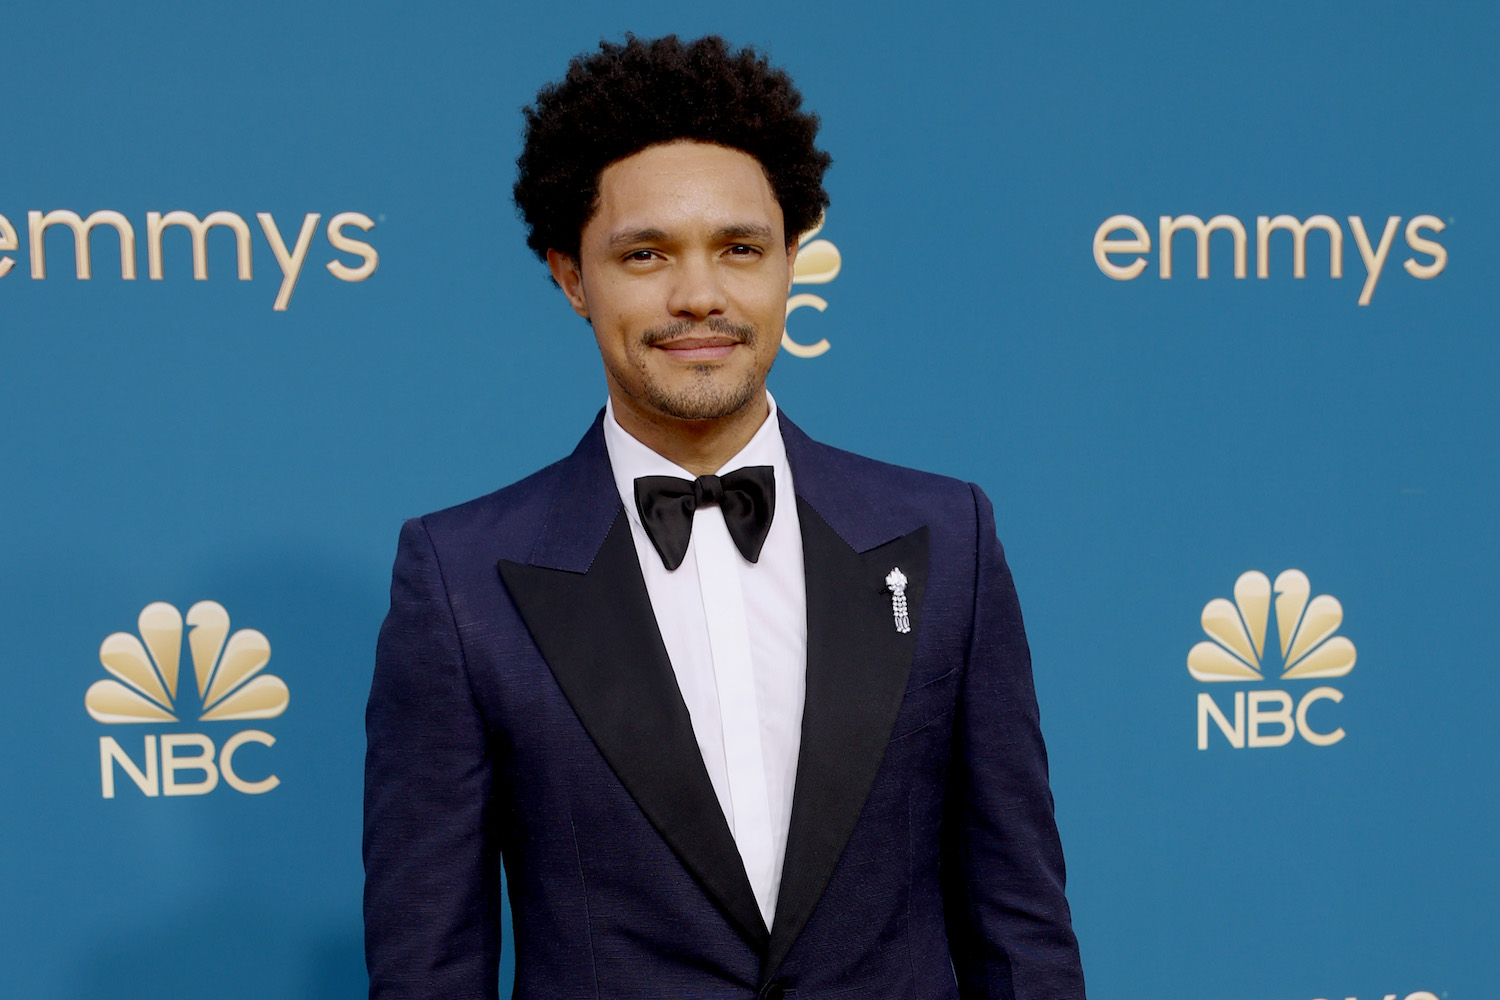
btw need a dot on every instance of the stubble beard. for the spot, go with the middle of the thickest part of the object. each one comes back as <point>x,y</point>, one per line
<point>704,398</point>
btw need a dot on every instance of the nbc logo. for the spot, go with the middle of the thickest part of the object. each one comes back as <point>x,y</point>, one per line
<point>230,685</point>
<point>818,263</point>
<point>1237,652</point>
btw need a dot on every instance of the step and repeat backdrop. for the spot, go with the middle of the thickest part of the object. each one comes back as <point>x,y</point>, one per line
<point>1204,299</point>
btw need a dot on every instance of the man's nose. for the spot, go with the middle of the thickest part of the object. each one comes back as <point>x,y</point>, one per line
<point>697,289</point>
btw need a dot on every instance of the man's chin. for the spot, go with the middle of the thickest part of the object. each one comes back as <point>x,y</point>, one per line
<point>705,403</point>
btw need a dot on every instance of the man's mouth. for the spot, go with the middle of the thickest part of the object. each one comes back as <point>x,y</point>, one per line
<point>705,348</point>
<point>693,343</point>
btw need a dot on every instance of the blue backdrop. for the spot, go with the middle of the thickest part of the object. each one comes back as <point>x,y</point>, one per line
<point>1146,442</point>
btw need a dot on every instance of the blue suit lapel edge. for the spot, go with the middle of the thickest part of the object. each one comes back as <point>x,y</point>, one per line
<point>585,603</point>
<point>858,666</point>
<point>584,600</point>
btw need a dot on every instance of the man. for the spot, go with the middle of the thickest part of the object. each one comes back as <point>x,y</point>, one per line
<point>741,715</point>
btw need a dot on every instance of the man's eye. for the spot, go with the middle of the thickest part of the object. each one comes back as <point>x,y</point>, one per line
<point>640,255</point>
<point>743,250</point>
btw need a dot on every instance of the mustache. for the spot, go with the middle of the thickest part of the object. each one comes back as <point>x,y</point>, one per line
<point>742,332</point>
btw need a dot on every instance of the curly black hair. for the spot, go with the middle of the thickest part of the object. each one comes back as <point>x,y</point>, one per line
<point>616,102</point>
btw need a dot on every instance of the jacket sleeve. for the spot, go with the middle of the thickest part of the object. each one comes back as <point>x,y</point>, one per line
<point>431,901</point>
<point>1008,922</point>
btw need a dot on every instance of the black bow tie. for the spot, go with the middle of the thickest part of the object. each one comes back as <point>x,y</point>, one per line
<point>746,496</point>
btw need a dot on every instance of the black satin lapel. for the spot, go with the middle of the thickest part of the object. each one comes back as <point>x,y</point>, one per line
<point>857,670</point>
<point>598,634</point>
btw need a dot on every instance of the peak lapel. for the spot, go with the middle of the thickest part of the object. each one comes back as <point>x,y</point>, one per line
<point>857,669</point>
<point>585,603</point>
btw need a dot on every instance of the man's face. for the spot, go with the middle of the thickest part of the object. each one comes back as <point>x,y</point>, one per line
<point>683,272</point>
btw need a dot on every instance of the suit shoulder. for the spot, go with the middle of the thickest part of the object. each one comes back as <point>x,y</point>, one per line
<point>895,483</point>
<point>902,477</point>
<point>869,502</point>
<point>498,525</point>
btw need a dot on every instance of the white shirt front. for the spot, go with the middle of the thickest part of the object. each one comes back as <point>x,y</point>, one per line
<point>736,633</point>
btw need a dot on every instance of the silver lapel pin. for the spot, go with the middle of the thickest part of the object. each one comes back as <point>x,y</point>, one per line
<point>896,582</point>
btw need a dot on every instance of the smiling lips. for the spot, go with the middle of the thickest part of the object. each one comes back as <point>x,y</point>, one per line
<point>711,348</point>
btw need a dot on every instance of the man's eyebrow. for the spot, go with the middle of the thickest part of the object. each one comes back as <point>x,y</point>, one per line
<point>636,236</point>
<point>738,231</point>
<point>744,231</point>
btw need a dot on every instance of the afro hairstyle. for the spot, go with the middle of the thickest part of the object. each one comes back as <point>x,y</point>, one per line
<point>624,98</point>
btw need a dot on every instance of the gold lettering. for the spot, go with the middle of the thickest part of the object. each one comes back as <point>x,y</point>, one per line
<point>791,346</point>
<point>8,241</point>
<point>1170,225</point>
<point>1310,734</point>
<point>39,223</point>
<point>358,247</point>
<point>1420,245</point>
<point>226,762</point>
<point>291,263</point>
<point>156,224</point>
<point>1374,259</point>
<point>1265,226</point>
<point>1103,247</point>
<point>172,762</point>
<point>111,753</point>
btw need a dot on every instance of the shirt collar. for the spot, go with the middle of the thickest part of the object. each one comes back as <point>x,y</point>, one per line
<point>629,459</point>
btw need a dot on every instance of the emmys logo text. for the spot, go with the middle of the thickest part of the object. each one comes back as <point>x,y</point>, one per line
<point>1109,247</point>
<point>289,260</point>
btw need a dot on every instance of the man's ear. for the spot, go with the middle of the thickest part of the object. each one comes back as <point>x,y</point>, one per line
<point>791,264</point>
<point>570,279</point>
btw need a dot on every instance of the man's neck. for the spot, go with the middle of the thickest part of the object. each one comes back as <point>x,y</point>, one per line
<point>699,446</point>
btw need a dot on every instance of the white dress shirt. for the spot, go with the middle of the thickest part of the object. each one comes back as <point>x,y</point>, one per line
<point>736,633</point>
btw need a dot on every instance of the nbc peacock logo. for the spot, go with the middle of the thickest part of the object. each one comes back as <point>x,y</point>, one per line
<point>1309,650</point>
<point>230,685</point>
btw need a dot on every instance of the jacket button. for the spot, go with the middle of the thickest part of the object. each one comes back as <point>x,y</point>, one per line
<point>773,991</point>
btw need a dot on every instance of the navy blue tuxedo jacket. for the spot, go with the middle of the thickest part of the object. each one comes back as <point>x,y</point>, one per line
<point>524,712</point>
